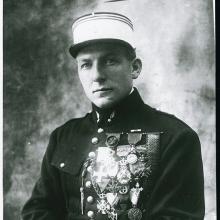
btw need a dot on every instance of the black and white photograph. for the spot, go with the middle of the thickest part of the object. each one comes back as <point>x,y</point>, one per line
<point>109,110</point>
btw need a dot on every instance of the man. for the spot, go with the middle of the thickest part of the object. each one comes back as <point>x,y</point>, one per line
<point>124,160</point>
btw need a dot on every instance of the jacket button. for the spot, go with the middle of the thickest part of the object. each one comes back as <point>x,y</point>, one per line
<point>90,214</point>
<point>95,140</point>
<point>88,184</point>
<point>100,130</point>
<point>62,165</point>
<point>90,199</point>
<point>92,155</point>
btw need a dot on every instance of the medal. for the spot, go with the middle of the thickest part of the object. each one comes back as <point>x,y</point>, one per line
<point>112,139</point>
<point>104,167</point>
<point>123,150</point>
<point>135,194</point>
<point>104,155</point>
<point>112,169</point>
<point>138,168</point>
<point>134,138</point>
<point>103,183</point>
<point>112,198</point>
<point>132,158</point>
<point>135,213</point>
<point>123,190</point>
<point>124,175</point>
<point>143,158</point>
<point>103,206</point>
<point>113,215</point>
<point>113,186</point>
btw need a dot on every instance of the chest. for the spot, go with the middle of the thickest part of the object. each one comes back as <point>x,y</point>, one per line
<point>107,172</point>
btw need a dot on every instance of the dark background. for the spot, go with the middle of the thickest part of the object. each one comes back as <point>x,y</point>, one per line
<point>42,89</point>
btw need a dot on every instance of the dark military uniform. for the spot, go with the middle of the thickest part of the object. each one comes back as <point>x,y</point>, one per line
<point>172,189</point>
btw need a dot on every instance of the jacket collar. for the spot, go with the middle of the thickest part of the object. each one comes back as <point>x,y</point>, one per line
<point>130,105</point>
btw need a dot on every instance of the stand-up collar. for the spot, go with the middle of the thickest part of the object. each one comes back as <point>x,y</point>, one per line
<point>128,106</point>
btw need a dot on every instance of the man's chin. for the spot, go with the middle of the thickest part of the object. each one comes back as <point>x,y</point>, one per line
<point>104,103</point>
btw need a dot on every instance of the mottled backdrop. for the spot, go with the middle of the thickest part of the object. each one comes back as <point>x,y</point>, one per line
<point>42,90</point>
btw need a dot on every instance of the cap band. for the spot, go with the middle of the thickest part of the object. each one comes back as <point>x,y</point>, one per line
<point>100,26</point>
<point>103,15</point>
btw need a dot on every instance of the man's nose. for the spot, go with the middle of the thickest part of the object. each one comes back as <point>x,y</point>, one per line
<point>98,72</point>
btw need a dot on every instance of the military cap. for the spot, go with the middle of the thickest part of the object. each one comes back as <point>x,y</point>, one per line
<point>101,27</point>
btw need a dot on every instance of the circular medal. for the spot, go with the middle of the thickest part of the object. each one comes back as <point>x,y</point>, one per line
<point>123,190</point>
<point>132,158</point>
<point>134,214</point>
<point>112,141</point>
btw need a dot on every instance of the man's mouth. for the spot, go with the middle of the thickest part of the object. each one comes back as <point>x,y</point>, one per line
<point>102,90</point>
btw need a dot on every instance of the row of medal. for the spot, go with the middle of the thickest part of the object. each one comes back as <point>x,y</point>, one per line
<point>111,176</point>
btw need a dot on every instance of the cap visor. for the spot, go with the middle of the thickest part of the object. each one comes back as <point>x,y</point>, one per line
<point>75,48</point>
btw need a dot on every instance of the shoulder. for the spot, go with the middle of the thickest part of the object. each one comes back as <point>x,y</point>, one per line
<point>63,137</point>
<point>168,122</point>
<point>176,135</point>
<point>72,125</point>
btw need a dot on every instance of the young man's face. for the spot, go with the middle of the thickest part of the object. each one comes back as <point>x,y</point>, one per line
<point>105,73</point>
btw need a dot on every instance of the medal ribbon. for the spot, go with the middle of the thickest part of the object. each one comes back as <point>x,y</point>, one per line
<point>134,138</point>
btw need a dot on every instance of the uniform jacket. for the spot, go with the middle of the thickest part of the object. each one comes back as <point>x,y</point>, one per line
<point>176,192</point>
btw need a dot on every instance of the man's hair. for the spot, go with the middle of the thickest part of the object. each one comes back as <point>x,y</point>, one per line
<point>128,50</point>
<point>130,53</point>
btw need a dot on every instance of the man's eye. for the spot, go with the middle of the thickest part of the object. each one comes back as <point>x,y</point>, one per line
<point>85,65</point>
<point>110,61</point>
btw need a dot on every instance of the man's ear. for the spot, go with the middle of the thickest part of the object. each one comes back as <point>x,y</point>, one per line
<point>136,68</point>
